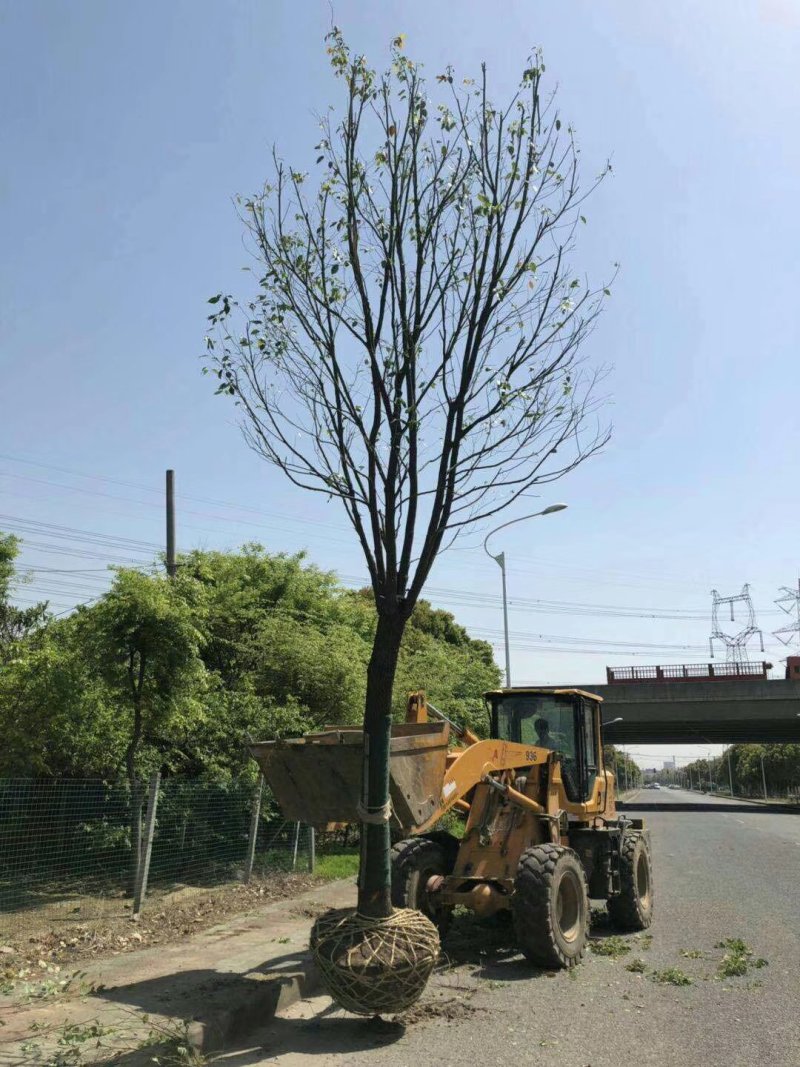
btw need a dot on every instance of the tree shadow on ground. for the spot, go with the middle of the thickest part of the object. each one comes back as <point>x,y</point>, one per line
<point>331,1032</point>
<point>199,994</point>
<point>211,997</point>
<point>328,1033</point>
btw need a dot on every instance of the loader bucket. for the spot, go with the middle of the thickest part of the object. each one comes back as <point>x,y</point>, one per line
<point>316,779</point>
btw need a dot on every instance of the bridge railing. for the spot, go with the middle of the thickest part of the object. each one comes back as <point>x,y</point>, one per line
<point>687,672</point>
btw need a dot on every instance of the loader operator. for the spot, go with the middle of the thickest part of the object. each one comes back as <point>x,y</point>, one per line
<point>543,738</point>
<point>547,740</point>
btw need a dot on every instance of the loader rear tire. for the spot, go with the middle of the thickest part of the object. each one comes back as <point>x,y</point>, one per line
<point>550,906</point>
<point>632,909</point>
<point>414,862</point>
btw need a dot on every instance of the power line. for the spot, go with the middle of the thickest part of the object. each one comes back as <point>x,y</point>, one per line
<point>463,598</point>
<point>578,573</point>
<point>36,526</point>
<point>272,527</point>
<point>467,598</point>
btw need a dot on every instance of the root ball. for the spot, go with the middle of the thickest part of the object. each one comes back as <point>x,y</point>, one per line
<point>375,966</point>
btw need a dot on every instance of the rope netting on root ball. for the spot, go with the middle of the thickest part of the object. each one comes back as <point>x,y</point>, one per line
<point>375,966</point>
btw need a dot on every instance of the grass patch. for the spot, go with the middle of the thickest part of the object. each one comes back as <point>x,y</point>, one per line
<point>644,941</point>
<point>78,1044</point>
<point>732,966</point>
<point>333,865</point>
<point>671,976</point>
<point>613,946</point>
<point>738,959</point>
<point>599,919</point>
<point>692,954</point>
<point>636,965</point>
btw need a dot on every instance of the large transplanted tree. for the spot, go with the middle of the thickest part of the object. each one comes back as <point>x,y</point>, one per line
<point>413,347</point>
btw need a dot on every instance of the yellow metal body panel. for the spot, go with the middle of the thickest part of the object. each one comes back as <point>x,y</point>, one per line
<point>466,767</point>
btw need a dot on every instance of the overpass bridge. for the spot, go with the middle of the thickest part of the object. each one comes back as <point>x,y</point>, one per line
<point>715,708</point>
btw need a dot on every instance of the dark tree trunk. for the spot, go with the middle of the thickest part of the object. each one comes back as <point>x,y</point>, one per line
<point>374,880</point>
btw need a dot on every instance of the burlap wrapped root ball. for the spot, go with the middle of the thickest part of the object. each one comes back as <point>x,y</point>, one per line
<point>375,966</point>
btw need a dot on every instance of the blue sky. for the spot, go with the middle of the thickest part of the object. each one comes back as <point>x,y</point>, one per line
<point>128,129</point>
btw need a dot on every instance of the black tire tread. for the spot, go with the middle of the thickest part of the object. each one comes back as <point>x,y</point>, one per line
<point>531,906</point>
<point>410,855</point>
<point>625,910</point>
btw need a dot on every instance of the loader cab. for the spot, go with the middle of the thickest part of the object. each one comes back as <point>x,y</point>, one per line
<point>565,721</point>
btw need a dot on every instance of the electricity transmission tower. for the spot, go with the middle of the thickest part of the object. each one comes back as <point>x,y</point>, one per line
<point>735,644</point>
<point>790,603</point>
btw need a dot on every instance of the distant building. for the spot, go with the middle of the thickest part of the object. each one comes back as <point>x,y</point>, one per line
<point>669,764</point>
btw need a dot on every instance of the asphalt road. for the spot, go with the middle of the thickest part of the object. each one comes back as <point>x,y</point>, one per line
<point>723,869</point>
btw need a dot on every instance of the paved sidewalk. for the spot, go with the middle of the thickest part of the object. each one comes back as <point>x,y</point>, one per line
<point>224,980</point>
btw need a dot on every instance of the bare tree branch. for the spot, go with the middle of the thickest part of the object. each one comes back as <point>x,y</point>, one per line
<point>414,347</point>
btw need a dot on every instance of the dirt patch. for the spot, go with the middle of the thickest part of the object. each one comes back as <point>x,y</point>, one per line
<point>312,910</point>
<point>451,1009</point>
<point>166,923</point>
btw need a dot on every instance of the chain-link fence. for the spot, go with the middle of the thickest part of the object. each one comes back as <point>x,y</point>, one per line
<point>67,855</point>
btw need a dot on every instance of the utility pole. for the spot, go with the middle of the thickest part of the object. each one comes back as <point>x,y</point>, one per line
<point>730,772</point>
<point>172,566</point>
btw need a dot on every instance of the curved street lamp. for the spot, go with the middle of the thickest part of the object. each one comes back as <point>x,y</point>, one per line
<point>500,560</point>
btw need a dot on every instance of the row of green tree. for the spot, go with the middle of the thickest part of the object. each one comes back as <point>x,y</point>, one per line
<point>752,767</point>
<point>177,673</point>
<point>628,773</point>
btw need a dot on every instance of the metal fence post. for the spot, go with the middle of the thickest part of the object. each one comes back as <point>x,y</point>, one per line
<point>254,817</point>
<point>763,777</point>
<point>312,849</point>
<point>144,866</point>
<point>296,844</point>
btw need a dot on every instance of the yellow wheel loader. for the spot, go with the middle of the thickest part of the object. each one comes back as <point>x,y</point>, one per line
<point>541,836</point>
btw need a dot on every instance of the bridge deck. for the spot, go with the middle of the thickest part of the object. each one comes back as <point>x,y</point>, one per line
<point>728,712</point>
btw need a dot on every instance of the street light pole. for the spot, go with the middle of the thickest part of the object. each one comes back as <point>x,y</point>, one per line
<point>500,560</point>
<point>730,771</point>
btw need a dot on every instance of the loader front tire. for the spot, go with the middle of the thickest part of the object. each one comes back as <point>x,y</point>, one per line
<point>550,906</point>
<point>414,862</point>
<point>632,909</point>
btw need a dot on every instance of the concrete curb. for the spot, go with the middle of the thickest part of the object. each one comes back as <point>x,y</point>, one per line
<point>270,995</point>
<point>781,805</point>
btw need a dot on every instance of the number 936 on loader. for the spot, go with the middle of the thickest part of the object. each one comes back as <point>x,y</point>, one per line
<point>541,831</point>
